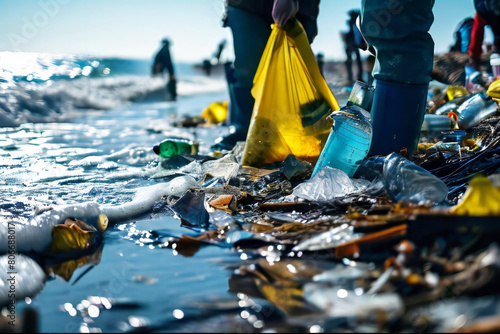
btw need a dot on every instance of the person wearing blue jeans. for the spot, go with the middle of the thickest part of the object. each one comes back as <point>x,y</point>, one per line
<point>250,23</point>
<point>487,13</point>
<point>462,35</point>
<point>398,30</point>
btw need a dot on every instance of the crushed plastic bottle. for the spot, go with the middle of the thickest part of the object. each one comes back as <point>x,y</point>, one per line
<point>452,105</point>
<point>403,180</point>
<point>348,142</point>
<point>176,145</point>
<point>408,182</point>
<point>436,123</point>
<point>477,108</point>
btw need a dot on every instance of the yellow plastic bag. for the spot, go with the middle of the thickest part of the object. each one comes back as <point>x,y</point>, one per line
<point>494,91</point>
<point>292,101</point>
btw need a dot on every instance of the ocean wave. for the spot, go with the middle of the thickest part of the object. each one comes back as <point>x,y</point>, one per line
<point>50,88</point>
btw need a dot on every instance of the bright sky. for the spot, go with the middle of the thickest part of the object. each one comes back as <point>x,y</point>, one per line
<point>134,28</point>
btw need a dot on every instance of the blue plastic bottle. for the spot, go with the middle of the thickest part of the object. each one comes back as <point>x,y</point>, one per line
<point>348,142</point>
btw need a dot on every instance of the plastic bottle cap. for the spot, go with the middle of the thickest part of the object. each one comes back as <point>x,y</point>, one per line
<point>453,115</point>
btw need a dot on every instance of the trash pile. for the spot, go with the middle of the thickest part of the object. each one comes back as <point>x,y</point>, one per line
<point>406,243</point>
<point>400,243</point>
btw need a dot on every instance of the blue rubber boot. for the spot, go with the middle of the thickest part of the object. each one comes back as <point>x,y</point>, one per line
<point>241,104</point>
<point>240,114</point>
<point>397,114</point>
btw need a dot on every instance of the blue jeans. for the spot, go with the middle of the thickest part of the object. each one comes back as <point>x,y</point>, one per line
<point>399,32</point>
<point>483,7</point>
<point>465,33</point>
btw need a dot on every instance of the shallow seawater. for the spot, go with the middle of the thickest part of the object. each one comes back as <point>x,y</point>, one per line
<point>105,156</point>
<point>90,138</point>
<point>143,285</point>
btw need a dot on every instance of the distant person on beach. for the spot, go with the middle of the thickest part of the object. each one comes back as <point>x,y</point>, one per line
<point>215,59</point>
<point>462,35</point>
<point>353,40</point>
<point>399,32</point>
<point>320,59</point>
<point>487,14</point>
<point>162,62</point>
<point>218,53</point>
<point>250,23</point>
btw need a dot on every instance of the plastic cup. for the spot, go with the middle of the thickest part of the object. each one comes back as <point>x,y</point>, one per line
<point>361,95</point>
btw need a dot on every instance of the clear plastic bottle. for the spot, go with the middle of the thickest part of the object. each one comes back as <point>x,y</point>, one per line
<point>348,142</point>
<point>404,180</point>
<point>451,136</point>
<point>477,108</point>
<point>436,123</point>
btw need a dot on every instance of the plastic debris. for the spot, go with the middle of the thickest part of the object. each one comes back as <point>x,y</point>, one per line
<point>436,123</point>
<point>474,110</point>
<point>329,239</point>
<point>494,89</point>
<point>329,183</point>
<point>295,169</point>
<point>348,142</point>
<point>75,235</point>
<point>36,235</point>
<point>451,106</point>
<point>224,167</point>
<point>146,197</point>
<point>338,301</point>
<point>456,91</point>
<point>480,199</point>
<point>190,209</point>
<point>404,181</point>
<point>297,107</point>
<point>409,183</point>
<point>216,112</point>
<point>361,95</point>
<point>352,248</point>
<point>450,147</point>
<point>342,273</point>
<point>175,145</point>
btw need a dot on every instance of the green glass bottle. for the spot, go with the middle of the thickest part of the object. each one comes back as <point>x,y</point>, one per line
<point>176,145</point>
